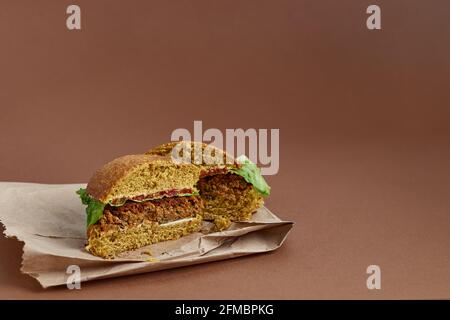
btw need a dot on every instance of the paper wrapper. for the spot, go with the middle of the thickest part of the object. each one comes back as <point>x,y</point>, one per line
<point>51,221</point>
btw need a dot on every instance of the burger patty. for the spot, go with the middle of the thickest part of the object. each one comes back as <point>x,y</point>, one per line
<point>160,210</point>
<point>219,191</point>
<point>224,186</point>
<point>228,197</point>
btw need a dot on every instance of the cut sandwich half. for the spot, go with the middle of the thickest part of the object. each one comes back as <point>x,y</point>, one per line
<point>137,200</point>
<point>231,189</point>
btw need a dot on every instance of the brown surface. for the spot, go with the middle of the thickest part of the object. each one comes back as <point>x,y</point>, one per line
<point>364,121</point>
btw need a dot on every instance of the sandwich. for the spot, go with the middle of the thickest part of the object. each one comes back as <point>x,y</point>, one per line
<point>137,200</point>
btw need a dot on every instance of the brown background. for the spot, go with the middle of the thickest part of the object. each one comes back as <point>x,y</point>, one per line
<point>363,115</point>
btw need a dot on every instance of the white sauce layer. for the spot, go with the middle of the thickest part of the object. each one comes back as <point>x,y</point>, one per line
<point>171,223</point>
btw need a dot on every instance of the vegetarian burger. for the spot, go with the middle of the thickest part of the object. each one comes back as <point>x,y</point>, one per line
<point>137,200</point>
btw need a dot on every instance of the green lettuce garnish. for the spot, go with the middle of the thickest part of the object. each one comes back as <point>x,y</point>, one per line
<point>94,209</point>
<point>252,174</point>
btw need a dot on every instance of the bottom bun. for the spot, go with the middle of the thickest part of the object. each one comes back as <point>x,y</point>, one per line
<point>109,244</point>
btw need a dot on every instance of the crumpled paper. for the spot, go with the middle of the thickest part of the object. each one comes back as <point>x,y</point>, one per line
<point>51,222</point>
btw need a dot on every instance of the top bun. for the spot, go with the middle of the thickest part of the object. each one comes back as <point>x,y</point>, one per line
<point>134,176</point>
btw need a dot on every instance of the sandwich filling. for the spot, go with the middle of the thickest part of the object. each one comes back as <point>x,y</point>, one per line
<point>152,196</point>
<point>162,211</point>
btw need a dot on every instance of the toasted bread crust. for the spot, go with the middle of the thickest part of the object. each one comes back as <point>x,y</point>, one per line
<point>105,178</point>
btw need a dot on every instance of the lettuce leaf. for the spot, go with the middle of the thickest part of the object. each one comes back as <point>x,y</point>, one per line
<point>94,209</point>
<point>252,174</point>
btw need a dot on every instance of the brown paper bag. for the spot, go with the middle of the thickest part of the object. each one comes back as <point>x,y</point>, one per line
<point>51,221</point>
